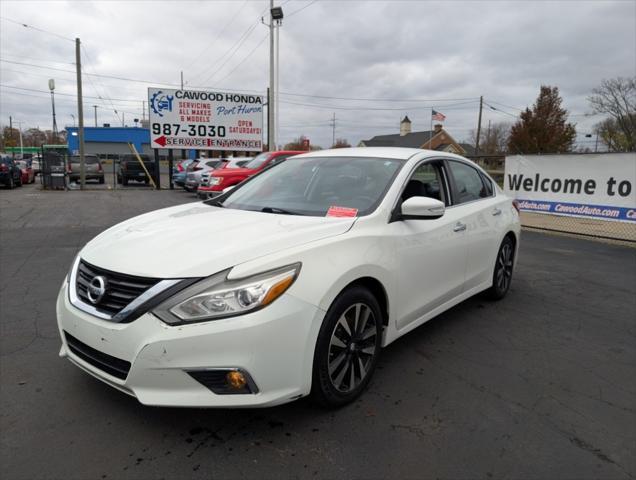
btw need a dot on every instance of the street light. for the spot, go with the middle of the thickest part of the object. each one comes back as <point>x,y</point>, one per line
<point>276,17</point>
<point>52,88</point>
<point>73,120</point>
<point>95,107</point>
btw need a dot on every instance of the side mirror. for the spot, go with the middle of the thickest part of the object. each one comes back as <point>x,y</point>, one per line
<point>420,208</point>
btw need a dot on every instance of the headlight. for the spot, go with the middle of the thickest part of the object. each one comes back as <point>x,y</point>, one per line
<point>215,180</point>
<point>217,297</point>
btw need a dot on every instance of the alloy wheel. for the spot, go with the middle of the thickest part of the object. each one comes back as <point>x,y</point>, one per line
<point>352,347</point>
<point>504,267</point>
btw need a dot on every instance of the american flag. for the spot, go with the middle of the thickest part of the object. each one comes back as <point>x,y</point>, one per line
<point>437,116</point>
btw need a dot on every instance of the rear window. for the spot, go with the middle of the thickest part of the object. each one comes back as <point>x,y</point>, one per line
<point>144,157</point>
<point>88,159</point>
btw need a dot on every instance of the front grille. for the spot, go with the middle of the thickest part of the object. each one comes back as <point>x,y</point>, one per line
<point>120,289</point>
<point>107,363</point>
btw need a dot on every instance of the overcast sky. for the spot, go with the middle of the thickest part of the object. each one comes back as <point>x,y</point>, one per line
<point>404,57</point>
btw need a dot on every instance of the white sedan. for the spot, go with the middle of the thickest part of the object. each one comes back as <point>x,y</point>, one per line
<point>309,270</point>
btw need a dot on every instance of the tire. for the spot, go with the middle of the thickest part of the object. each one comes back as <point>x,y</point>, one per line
<point>101,180</point>
<point>502,273</point>
<point>146,181</point>
<point>118,179</point>
<point>11,184</point>
<point>19,182</point>
<point>124,180</point>
<point>344,359</point>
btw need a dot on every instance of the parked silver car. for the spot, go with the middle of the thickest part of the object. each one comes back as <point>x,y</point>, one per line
<point>93,168</point>
<point>197,168</point>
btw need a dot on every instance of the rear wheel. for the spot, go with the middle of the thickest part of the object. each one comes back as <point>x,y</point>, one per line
<point>101,179</point>
<point>11,184</point>
<point>502,274</point>
<point>347,349</point>
<point>124,180</point>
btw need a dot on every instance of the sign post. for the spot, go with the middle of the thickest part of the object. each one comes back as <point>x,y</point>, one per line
<point>199,120</point>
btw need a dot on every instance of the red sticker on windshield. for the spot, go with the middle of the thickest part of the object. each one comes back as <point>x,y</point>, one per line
<point>342,212</point>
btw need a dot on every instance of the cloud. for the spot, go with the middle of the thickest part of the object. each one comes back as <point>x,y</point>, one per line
<point>376,49</point>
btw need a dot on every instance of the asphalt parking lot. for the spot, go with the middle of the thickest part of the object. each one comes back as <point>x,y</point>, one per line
<point>539,385</point>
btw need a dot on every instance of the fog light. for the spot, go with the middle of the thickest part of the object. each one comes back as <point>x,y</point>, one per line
<point>236,380</point>
<point>225,381</point>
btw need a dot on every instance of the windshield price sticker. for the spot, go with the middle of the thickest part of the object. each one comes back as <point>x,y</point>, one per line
<point>341,212</point>
<point>205,120</point>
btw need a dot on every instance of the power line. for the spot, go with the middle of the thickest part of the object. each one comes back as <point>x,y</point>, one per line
<point>216,39</point>
<point>66,94</point>
<point>147,82</point>
<point>232,51</point>
<point>337,107</point>
<point>244,59</point>
<point>38,29</point>
<point>301,8</point>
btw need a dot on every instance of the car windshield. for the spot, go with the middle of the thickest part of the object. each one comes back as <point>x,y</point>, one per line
<point>317,185</point>
<point>258,160</point>
<point>237,163</point>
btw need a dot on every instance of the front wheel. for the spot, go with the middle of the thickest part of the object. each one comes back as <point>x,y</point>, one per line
<point>502,274</point>
<point>347,349</point>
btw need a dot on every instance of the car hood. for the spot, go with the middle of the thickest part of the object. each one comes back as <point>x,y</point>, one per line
<point>197,240</point>
<point>226,172</point>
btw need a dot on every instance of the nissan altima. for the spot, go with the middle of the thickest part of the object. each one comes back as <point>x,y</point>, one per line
<point>309,270</point>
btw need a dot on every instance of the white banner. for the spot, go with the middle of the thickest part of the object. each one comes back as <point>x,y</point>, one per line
<point>580,185</point>
<point>205,120</point>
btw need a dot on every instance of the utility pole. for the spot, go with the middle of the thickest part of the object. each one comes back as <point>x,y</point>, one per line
<point>333,130</point>
<point>481,106</point>
<point>11,134</point>
<point>143,111</point>
<point>271,127</point>
<point>181,79</point>
<point>95,107</point>
<point>80,114</point>
<point>52,88</point>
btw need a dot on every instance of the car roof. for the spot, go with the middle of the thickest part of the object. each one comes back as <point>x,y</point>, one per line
<point>378,152</point>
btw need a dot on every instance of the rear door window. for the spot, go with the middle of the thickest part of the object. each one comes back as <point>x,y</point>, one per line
<point>467,182</point>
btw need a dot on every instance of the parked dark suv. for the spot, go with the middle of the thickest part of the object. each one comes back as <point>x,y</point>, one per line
<point>130,169</point>
<point>10,173</point>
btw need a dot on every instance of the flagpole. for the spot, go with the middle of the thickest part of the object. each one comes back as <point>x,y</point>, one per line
<point>430,133</point>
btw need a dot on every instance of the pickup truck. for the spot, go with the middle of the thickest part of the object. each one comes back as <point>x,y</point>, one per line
<point>130,169</point>
<point>223,178</point>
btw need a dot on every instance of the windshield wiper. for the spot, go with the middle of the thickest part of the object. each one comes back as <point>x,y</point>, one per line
<point>215,203</point>
<point>279,210</point>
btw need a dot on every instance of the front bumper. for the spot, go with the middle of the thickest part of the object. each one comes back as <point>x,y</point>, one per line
<point>274,345</point>
<point>207,194</point>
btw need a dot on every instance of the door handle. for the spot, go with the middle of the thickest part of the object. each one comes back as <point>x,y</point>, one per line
<point>459,227</point>
<point>496,212</point>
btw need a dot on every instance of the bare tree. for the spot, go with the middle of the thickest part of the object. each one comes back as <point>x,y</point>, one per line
<point>341,143</point>
<point>494,139</point>
<point>616,97</point>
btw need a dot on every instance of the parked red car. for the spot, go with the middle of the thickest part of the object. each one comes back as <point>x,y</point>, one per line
<point>228,177</point>
<point>28,175</point>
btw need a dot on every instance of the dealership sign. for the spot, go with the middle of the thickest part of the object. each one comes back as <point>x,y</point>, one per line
<point>587,185</point>
<point>205,120</point>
